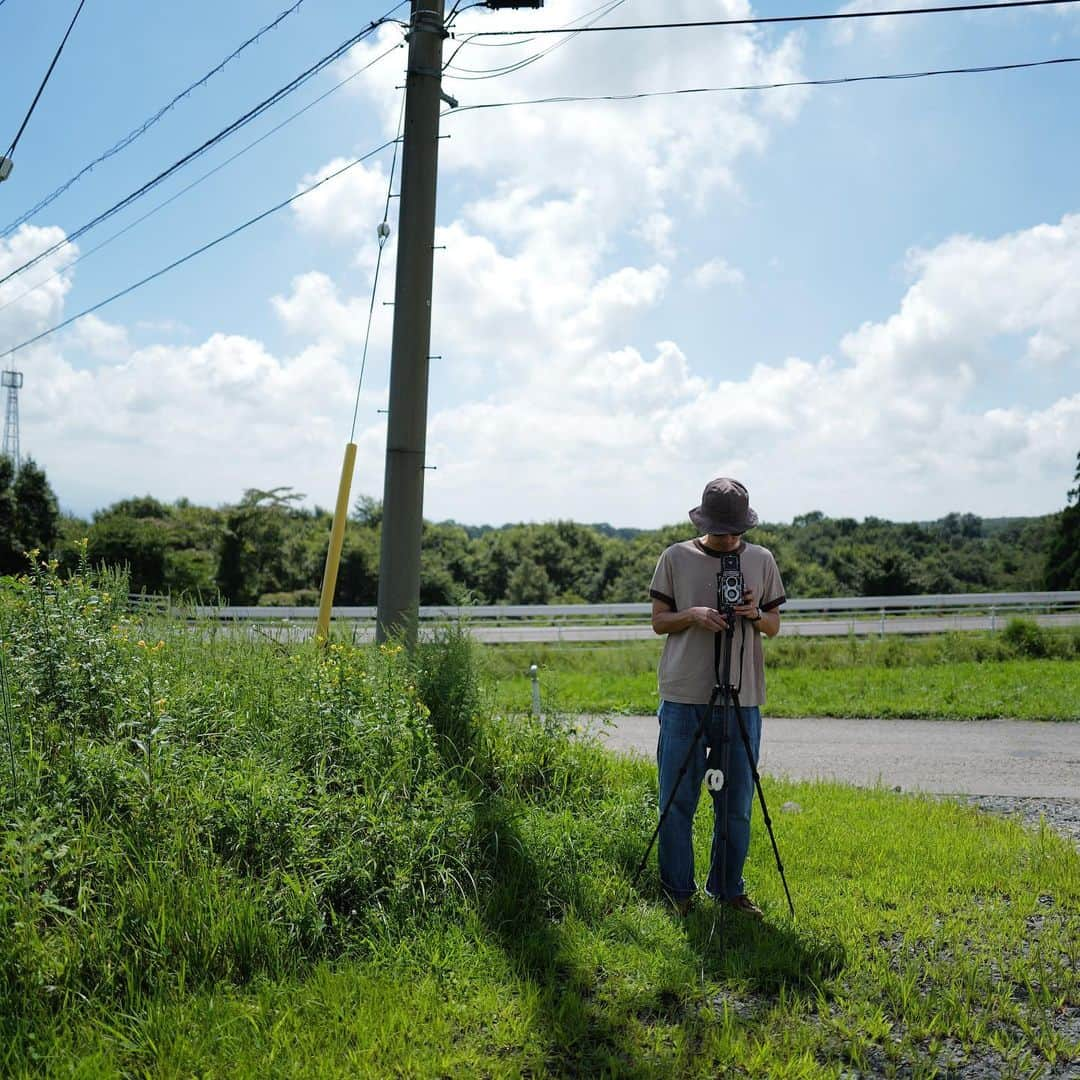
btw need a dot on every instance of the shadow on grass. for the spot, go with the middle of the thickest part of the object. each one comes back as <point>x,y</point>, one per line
<point>520,913</point>
<point>763,956</point>
<point>589,1025</point>
<point>583,1031</point>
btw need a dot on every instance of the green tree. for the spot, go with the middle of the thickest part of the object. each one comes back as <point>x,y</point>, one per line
<point>367,511</point>
<point>251,557</point>
<point>12,559</point>
<point>1063,555</point>
<point>139,544</point>
<point>37,516</point>
<point>529,583</point>
<point>358,575</point>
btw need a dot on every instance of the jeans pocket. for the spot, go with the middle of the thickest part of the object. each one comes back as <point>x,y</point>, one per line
<point>678,722</point>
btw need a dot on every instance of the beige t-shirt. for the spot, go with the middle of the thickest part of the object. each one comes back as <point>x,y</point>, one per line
<point>685,577</point>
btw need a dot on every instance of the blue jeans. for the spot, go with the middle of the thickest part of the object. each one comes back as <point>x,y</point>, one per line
<point>678,724</point>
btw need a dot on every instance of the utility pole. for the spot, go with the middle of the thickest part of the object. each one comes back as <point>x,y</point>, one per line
<point>406,435</point>
<point>406,432</point>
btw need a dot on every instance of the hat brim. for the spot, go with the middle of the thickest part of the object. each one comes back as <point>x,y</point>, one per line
<point>723,527</point>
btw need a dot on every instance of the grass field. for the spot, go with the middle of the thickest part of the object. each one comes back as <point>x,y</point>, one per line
<point>1023,673</point>
<point>226,858</point>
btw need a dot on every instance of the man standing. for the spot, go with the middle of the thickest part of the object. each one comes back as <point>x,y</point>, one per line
<point>683,592</point>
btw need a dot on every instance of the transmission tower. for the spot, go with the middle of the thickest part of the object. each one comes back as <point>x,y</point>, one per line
<point>12,380</point>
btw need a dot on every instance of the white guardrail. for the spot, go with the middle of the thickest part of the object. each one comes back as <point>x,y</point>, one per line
<point>861,615</point>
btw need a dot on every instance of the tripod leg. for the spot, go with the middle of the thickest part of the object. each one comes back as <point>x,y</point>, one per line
<point>751,758</point>
<point>699,732</point>
<point>716,884</point>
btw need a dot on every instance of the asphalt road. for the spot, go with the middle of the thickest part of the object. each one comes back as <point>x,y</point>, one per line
<point>964,757</point>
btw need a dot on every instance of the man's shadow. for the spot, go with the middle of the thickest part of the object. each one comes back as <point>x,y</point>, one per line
<point>522,907</point>
<point>763,955</point>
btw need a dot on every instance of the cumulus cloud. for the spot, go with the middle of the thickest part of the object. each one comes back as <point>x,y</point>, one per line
<point>206,421</point>
<point>890,425</point>
<point>346,209</point>
<point>33,300</point>
<point>717,272</point>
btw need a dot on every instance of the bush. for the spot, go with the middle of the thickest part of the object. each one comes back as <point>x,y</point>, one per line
<point>1024,637</point>
<point>181,808</point>
<point>447,680</point>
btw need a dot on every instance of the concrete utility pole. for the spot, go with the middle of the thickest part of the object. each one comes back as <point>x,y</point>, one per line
<point>406,437</point>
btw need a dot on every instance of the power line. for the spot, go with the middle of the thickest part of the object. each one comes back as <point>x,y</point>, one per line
<point>764,20</point>
<point>195,183</point>
<point>198,251</point>
<point>33,104</point>
<point>128,139</point>
<point>563,99</point>
<point>250,115</point>
<point>507,69</point>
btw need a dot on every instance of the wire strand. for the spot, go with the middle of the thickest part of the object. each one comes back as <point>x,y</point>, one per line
<point>564,99</point>
<point>37,96</point>
<point>199,251</point>
<point>128,139</point>
<point>378,263</point>
<point>236,125</point>
<point>507,69</point>
<point>195,183</point>
<point>764,20</point>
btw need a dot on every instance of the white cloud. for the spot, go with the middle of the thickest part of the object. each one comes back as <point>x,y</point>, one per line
<point>1045,349</point>
<point>656,231</point>
<point>33,300</point>
<point>717,272</point>
<point>346,209</point>
<point>845,32</point>
<point>889,429</point>
<point>206,421</point>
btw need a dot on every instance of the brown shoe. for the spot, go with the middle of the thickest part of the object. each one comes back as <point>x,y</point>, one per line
<point>682,907</point>
<point>747,906</point>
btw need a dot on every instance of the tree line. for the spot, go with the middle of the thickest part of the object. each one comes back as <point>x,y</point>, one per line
<point>268,548</point>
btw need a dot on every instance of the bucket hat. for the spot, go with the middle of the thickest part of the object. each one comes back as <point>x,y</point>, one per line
<point>725,508</point>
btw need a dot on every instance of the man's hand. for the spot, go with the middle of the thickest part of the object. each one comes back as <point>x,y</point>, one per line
<point>666,621</point>
<point>708,618</point>
<point>748,609</point>
<point>766,622</point>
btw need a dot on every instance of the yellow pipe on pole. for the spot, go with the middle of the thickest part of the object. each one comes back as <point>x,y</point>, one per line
<point>337,540</point>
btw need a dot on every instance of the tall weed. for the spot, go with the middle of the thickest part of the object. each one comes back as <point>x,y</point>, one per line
<point>190,807</point>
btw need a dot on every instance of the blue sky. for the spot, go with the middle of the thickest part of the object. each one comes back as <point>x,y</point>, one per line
<point>862,299</point>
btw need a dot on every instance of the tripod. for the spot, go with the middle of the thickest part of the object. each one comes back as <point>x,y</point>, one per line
<point>727,695</point>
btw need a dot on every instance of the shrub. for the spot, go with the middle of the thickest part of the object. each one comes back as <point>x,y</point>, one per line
<point>1025,637</point>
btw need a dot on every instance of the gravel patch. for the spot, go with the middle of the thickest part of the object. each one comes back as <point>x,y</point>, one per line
<point>1062,815</point>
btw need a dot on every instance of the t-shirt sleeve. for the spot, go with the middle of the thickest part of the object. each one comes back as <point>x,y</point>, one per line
<point>772,592</point>
<point>662,586</point>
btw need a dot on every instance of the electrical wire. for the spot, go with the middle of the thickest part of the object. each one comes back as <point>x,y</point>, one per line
<point>195,183</point>
<point>641,95</point>
<point>236,125</point>
<point>764,20</point>
<point>33,104</point>
<point>128,139</point>
<point>199,251</point>
<point>474,75</point>
<point>384,233</point>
